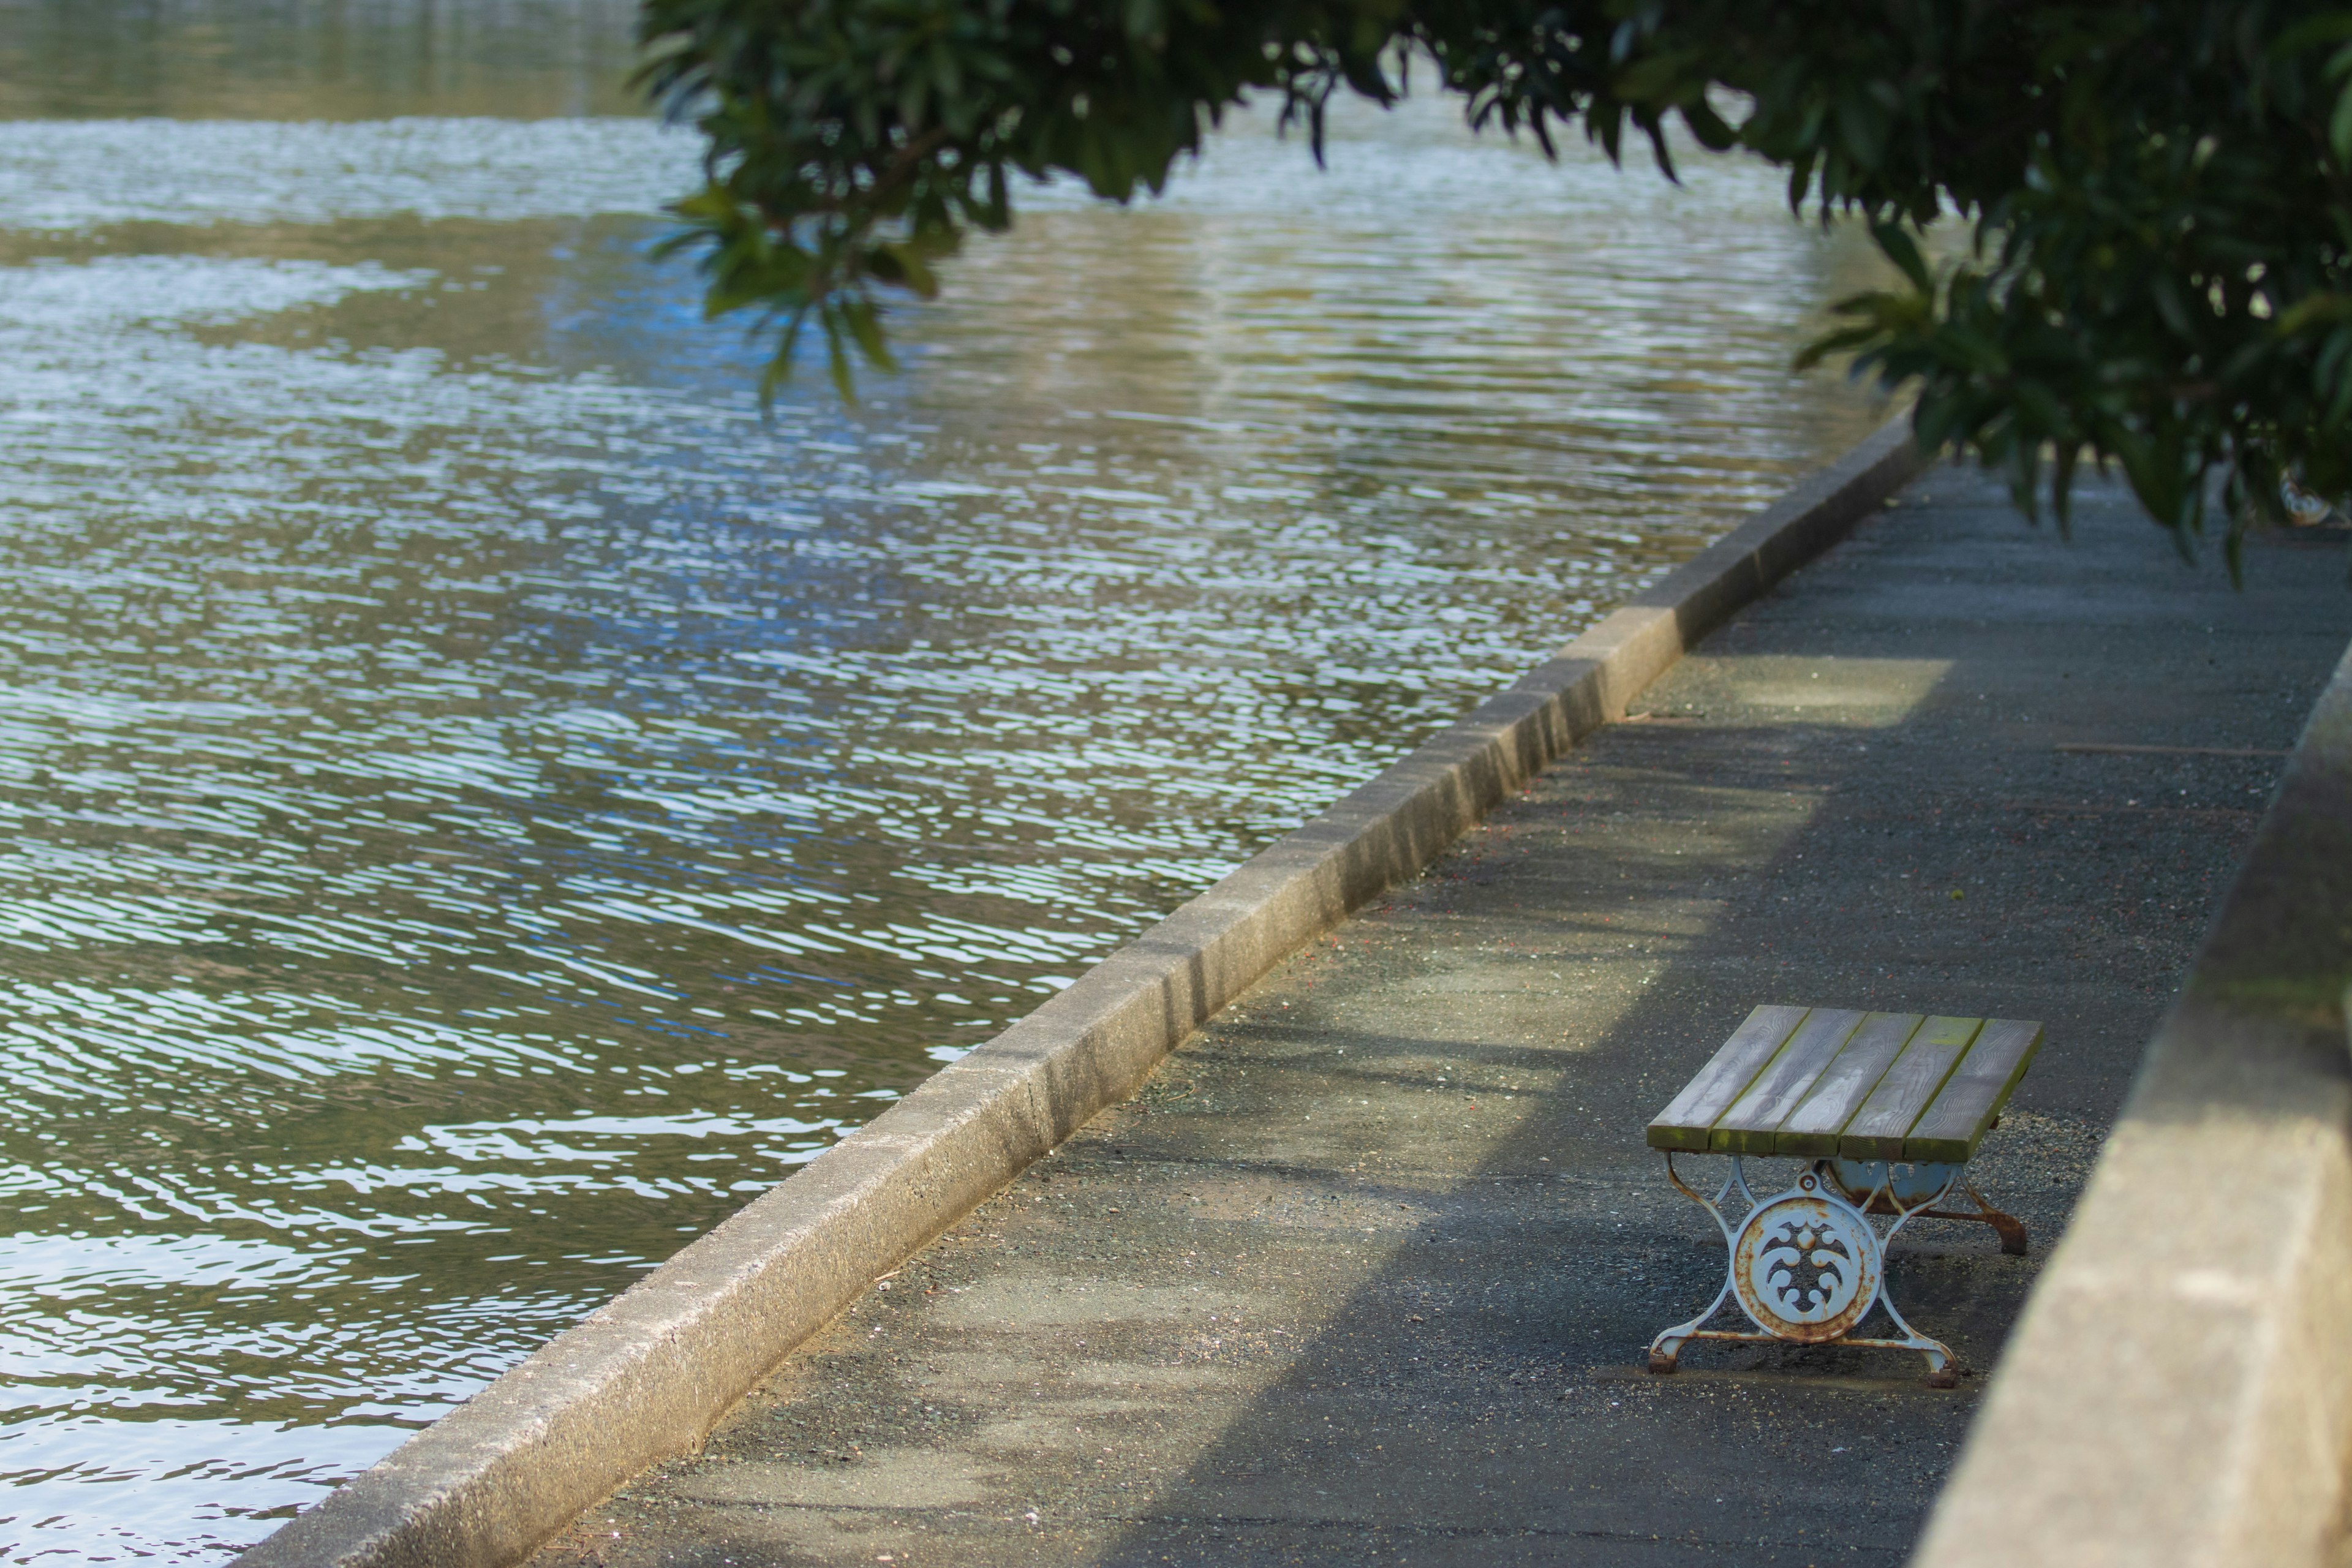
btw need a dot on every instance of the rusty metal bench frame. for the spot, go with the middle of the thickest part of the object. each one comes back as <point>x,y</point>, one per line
<point>1887,1109</point>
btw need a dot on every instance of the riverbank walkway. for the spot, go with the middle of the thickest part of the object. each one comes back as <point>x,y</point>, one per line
<point>1366,1274</point>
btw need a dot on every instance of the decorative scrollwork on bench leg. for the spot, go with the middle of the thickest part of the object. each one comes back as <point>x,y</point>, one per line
<point>1806,1266</point>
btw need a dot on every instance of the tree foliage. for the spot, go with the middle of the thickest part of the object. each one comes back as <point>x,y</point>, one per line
<point>2156,193</point>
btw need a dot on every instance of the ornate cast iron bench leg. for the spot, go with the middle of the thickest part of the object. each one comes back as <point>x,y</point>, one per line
<point>1807,1266</point>
<point>1859,1179</point>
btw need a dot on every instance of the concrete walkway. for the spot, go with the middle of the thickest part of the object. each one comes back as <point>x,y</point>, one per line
<point>1366,1274</point>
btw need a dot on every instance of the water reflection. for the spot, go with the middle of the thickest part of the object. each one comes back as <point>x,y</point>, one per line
<point>479,802</point>
<point>314,60</point>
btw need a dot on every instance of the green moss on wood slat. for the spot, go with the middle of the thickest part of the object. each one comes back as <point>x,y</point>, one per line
<point>1950,1129</point>
<point>1877,1131</point>
<point>1684,1126</point>
<point>1754,1119</point>
<point>1813,1130</point>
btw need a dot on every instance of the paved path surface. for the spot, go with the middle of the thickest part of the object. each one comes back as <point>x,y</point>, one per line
<point>1366,1274</point>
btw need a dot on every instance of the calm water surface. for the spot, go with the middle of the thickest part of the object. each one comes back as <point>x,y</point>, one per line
<point>480,803</point>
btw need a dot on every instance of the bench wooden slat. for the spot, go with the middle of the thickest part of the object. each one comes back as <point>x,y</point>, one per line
<point>1876,1131</point>
<point>1685,1124</point>
<point>1755,1117</point>
<point>1975,1092</point>
<point>1812,1129</point>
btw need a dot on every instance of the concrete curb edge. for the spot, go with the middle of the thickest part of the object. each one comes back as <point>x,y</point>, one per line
<point>647,1375</point>
<point>2178,1388</point>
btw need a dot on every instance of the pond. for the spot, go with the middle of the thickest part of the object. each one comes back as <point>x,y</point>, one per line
<point>482,801</point>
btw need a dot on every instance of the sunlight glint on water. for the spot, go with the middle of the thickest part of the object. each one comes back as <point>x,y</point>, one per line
<point>480,803</point>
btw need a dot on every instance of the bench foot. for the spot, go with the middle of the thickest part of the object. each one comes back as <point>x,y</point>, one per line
<point>1806,1266</point>
<point>2012,1229</point>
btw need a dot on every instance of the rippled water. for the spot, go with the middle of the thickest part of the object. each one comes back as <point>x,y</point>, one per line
<point>480,803</point>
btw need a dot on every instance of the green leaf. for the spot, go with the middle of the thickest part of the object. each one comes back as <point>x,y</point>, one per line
<point>1899,247</point>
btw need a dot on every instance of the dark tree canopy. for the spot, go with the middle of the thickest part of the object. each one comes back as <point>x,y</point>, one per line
<point>2158,192</point>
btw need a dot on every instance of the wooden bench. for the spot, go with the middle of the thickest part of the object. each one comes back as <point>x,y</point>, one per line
<point>1887,1109</point>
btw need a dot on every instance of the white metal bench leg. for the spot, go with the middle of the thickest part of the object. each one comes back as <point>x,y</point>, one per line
<point>1669,1345</point>
<point>1806,1266</point>
<point>1860,1180</point>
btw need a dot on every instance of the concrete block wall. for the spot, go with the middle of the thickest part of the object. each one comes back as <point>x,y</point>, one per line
<point>2178,1392</point>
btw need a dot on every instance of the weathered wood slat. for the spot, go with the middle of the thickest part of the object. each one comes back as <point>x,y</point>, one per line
<point>1876,1131</point>
<point>1685,1124</point>
<point>1812,1129</point>
<point>1973,1095</point>
<point>1755,1117</point>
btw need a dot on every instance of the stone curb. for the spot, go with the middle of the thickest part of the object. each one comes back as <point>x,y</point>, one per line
<point>648,1374</point>
<point>2178,1390</point>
